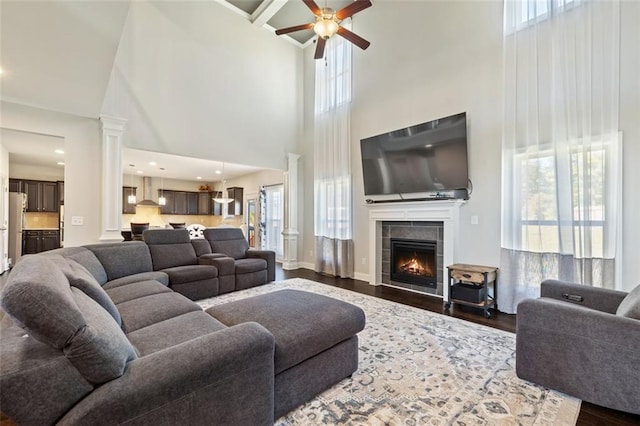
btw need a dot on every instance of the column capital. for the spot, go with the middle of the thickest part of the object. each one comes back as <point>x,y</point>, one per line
<point>109,122</point>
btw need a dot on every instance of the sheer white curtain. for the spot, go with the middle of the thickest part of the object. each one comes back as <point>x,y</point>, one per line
<point>274,211</point>
<point>332,161</point>
<point>561,168</point>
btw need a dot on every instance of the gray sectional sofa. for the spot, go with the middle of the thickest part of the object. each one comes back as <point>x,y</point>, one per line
<point>95,335</point>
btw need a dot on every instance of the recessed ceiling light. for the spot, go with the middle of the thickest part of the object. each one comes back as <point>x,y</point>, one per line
<point>153,163</point>
<point>60,163</point>
<point>199,177</point>
<point>1,71</point>
<point>139,172</point>
<point>59,151</point>
<point>218,172</point>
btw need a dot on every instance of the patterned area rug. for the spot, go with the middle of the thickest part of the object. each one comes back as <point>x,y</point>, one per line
<point>421,368</point>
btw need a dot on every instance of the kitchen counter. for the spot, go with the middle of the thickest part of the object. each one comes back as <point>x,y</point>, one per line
<point>40,229</point>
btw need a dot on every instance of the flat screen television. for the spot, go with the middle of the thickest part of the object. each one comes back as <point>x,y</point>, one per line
<point>428,158</point>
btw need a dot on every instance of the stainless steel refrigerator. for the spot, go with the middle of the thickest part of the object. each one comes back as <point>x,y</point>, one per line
<point>17,207</point>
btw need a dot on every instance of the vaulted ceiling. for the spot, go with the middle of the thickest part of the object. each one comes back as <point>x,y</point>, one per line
<point>60,55</point>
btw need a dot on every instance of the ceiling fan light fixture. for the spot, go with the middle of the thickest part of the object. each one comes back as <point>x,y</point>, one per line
<point>326,27</point>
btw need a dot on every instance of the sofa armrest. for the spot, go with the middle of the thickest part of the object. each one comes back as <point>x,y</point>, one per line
<point>583,352</point>
<point>225,377</point>
<point>602,299</point>
<point>270,257</point>
<point>226,265</point>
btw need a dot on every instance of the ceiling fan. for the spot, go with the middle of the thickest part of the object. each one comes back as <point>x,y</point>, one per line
<point>328,23</point>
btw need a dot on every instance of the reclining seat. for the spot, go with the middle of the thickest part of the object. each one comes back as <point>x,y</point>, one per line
<point>172,253</point>
<point>251,267</point>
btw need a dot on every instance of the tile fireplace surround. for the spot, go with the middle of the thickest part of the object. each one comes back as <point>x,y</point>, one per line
<point>444,213</point>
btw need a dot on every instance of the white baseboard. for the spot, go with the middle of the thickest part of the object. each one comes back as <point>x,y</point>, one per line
<point>361,276</point>
<point>306,265</point>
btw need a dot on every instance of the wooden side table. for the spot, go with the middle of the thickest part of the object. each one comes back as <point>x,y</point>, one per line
<point>473,285</point>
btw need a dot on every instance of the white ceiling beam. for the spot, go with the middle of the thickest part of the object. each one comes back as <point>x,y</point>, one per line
<point>266,10</point>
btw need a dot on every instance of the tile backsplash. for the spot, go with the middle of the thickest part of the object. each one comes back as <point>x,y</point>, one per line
<point>41,220</point>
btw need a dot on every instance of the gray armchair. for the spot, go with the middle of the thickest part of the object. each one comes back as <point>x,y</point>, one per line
<point>582,341</point>
<point>249,267</point>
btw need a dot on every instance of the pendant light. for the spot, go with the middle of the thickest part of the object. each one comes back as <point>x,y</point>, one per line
<point>162,201</point>
<point>224,196</point>
<point>131,199</point>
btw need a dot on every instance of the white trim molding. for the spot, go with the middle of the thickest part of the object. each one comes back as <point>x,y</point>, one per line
<point>112,131</point>
<point>290,231</point>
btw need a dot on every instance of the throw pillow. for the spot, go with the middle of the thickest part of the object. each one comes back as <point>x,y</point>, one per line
<point>100,351</point>
<point>81,278</point>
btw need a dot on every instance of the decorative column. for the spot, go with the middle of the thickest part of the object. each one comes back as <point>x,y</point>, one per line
<point>290,229</point>
<point>112,131</point>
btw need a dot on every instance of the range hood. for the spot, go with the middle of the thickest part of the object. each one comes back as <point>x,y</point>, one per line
<point>146,194</point>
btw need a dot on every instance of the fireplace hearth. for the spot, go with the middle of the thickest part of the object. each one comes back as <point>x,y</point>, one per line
<point>414,262</point>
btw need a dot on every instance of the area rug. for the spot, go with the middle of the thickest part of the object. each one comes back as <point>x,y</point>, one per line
<point>422,368</point>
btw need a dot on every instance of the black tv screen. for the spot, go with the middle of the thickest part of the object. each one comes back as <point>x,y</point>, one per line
<point>427,157</point>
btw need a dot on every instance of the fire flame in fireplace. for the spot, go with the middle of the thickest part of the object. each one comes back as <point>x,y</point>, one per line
<point>415,267</point>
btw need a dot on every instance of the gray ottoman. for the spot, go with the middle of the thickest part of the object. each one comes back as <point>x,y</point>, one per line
<point>316,342</point>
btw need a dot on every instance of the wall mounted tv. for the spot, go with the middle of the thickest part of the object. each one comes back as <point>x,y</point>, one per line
<point>427,160</point>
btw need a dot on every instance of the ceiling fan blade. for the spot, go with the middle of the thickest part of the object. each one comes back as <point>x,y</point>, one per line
<point>353,38</point>
<point>320,48</point>
<point>352,9</point>
<point>313,6</point>
<point>294,29</point>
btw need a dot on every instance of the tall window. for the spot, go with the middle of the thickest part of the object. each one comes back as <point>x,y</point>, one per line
<point>561,165</point>
<point>332,160</point>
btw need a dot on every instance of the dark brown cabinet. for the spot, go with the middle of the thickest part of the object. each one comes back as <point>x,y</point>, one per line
<point>204,203</point>
<point>36,241</point>
<point>126,207</point>
<point>42,196</point>
<point>15,185</point>
<point>180,202</point>
<point>235,207</point>
<point>61,191</point>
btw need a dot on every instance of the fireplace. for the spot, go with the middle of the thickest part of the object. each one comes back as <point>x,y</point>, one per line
<point>414,262</point>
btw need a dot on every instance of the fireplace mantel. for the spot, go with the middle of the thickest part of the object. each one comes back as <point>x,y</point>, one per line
<point>445,211</point>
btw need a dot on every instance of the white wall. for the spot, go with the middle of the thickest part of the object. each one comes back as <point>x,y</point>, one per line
<point>29,171</point>
<point>428,60</point>
<point>196,79</point>
<point>630,127</point>
<point>82,173</point>
<point>432,59</point>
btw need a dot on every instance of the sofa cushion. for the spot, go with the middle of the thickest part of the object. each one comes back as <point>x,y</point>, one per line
<point>173,331</point>
<point>245,266</point>
<point>229,241</point>
<point>85,257</point>
<point>201,246</point>
<point>38,296</point>
<point>630,305</point>
<point>302,323</point>
<point>188,273</point>
<point>99,350</point>
<point>136,290</point>
<point>123,259</point>
<point>143,312</point>
<point>170,255</point>
<point>82,279</point>
<point>158,276</point>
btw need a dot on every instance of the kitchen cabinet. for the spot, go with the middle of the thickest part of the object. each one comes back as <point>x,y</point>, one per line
<point>169,205</point>
<point>180,202</point>
<point>216,208</point>
<point>61,191</point>
<point>36,241</point>
<point>204,203</point>
<point>15,185</point>
<point>42,196</point>
<point>235,207</point>
<point>126,207</point>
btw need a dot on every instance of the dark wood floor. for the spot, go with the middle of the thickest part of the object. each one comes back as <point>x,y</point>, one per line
<point>590,414</point>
